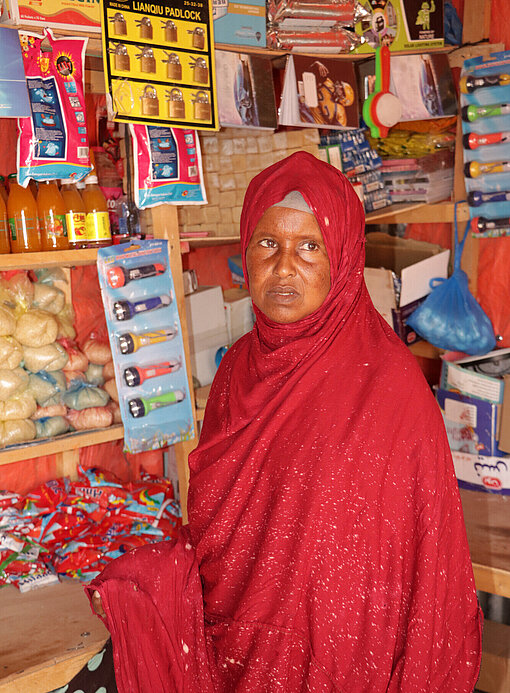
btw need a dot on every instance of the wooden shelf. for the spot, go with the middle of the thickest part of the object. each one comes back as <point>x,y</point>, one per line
<point>55,258</point>
<point>441,212</point>
<point>212,241</point>
<point>47,636</point>
<point>52,446</point>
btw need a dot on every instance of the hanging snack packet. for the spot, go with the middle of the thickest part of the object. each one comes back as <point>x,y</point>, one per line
<point>53,142</point>
<point>168,166</point>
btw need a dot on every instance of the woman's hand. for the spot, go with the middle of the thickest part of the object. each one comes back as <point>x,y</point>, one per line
<point>97,605</point>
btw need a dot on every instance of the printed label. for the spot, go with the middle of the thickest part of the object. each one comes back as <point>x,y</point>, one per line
<point>98,226</point>
<point>12,229</point>
<point>76,227</point>
<point>55,225</point>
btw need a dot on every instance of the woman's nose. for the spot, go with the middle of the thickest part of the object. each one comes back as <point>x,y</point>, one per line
<point>285,266</point>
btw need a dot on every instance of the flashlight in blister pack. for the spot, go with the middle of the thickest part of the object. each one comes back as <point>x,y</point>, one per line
<point>141,406</point>
<point>134,375</point>
<point>125,310</point>
<point>129,342</point>
<point>470,83</point>
<point>473,141</point>
<point>476,197</point>
<point>471,113</point>
<point>475,169</point>
<point>484,225</point>
<point>120,276</point>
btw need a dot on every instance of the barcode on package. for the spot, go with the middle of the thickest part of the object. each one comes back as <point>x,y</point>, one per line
<point>83,152</point>
<point>192,171</point>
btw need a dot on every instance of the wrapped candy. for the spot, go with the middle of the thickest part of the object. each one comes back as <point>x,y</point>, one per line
<point>83,395</point>
<point>21,406</point>
<point>51,426</point>
<point>11,354</point>
<point>12,382</point>
<point>17,431</point>
<point>340,12</point>
<point>36,328</point>
<point>50,410</point>
<point>94,374</point>
<point>48,297</point>
<point>7,320</point>
<point>65,321</point>
<point>52,357</point>
<point>93,417</point>
<point>47,387</point>
<point>334,40</point>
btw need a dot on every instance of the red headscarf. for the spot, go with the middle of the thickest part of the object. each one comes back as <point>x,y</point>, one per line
<point>323,505</point>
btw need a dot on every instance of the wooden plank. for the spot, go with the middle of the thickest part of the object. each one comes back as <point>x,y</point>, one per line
<point>55,258</point>
<point>66,464</point>
<point>166,225</point>
<point>71,441</point>
<point>495,669</point>
<point>487,518</point>
<point>417,213</point>
<point>476,20</point>
<point>47,635</point>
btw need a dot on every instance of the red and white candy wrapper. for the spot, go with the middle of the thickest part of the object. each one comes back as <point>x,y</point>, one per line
<point>340,12</point>
<point>338,40</point>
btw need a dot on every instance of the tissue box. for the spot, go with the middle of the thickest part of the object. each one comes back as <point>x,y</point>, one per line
<point>207,330</point>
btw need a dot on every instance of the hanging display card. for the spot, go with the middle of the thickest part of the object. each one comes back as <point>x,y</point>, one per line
<point>159,65</point>
<point>146,343</point>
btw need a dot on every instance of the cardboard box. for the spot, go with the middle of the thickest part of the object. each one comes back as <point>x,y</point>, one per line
<point>9,12</point>
<point>480,473</point>
<point>238,313</point>
<point>80,15</point>
<point>207,331</point>
<point>472,424</point>
<point>401,25</point>
<point>240,23</point>
<point>470,375</point>
<point>415,263</point>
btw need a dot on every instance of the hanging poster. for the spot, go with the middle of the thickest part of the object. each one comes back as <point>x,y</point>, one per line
<point>147,345</point>
<point>159,65</point>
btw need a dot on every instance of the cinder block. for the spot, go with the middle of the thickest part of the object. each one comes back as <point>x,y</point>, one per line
<point>209,145</point>
<point>227,182</point>
<point>251,145</point>
<point>225,164</point>
<point>226,147</point>
<point>227,200</point>
<point>236,214</point>
<point>265,143</point>
<point>280,140</point>
<point>238,163</point>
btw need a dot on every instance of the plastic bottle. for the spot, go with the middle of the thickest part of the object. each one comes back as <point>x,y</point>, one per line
<point>23,219</point>
<point>5,246</point>
<point>75,214</point>
<point>3,189</point>
<point>52,217</point>
<point>97,220</point>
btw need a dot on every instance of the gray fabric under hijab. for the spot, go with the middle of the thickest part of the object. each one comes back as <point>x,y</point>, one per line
<point>294,200</point>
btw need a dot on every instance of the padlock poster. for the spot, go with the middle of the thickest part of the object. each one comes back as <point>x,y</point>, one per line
<point>159,62</point>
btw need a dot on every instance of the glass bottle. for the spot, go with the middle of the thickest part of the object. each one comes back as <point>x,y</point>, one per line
<point>23,219</point>
<point>3,189</point>
<point>52,217</point>
<point>75,214</point>
<point>5,246</point>
<point>97,219</point>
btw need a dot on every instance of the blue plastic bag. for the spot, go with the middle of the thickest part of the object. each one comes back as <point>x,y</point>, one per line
<point>450,317</point>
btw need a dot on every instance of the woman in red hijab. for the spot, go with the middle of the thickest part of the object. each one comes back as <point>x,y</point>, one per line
<point>324,515</point>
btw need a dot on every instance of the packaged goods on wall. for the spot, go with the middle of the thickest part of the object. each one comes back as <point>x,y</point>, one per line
<point>242,23</point>
<point>82,15</point>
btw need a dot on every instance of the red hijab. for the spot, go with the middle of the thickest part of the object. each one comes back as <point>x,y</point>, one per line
<point>323,505</point>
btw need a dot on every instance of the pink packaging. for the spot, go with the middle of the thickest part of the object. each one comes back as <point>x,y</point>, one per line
<point>168,166</point>
<point>53,142</point>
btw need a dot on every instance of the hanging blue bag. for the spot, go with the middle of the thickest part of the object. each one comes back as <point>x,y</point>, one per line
<point>450,317</point>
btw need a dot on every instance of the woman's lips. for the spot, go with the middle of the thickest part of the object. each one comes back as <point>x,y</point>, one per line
<point>283,294</point>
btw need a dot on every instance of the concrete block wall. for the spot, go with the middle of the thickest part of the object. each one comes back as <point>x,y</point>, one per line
<point>230,159</point>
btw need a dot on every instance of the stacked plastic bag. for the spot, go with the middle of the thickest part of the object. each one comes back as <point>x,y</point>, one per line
<point>72,529</point>
<point>45,388</point>
<point>308,25</point>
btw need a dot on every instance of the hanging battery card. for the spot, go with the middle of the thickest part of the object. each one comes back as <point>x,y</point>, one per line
<point>146,343</point>
<point>159,62</point>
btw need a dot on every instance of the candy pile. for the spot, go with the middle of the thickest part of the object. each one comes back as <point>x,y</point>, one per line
<point>73,529</point>
<point>47,384</point>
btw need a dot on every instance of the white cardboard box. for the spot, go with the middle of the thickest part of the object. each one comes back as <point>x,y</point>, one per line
<point>238,313</point>
<point>205,314</point>
<point>482,473</point>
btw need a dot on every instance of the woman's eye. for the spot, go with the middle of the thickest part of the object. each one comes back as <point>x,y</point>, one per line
<point>310,245</point>
<point>267,243</point>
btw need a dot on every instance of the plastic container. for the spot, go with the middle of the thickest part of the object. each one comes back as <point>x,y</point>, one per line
<point>52,217</point>
<point>3,189</point>
<point>97,220</point>
<point>23,219</point>
<point>76,214</point>
<point>5,245</point>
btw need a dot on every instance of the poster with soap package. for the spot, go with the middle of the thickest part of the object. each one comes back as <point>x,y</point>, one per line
<point>485,101</point>
<point>146,343</point>
<point>159,62</point>
<point>14,101</point>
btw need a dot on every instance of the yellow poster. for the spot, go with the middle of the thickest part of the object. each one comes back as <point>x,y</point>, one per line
<point>158,62</point>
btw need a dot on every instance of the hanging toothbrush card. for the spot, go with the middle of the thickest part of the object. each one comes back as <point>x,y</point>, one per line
<point>159,62</point>
<point>485,101</point>
<point>146,343</point>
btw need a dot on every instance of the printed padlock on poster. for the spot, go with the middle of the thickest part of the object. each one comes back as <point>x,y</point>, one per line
<point>198,37</point>
<point>145,26</point>
<point>119,24</point>
<point>200,70</point>
<point>121,60</point>
<point>150,101</point>
<point>147,60</point>
<point>201,106</point>
<point>176,106</point>
<point>170,31</point>
<point>173,67</point>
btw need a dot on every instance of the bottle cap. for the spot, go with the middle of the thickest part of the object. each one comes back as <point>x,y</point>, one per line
<point>67,181</point>
<point>12,176</point>
<point>90,179</point>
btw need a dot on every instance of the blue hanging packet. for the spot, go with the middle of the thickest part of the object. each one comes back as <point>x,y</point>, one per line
<point>450,317</point>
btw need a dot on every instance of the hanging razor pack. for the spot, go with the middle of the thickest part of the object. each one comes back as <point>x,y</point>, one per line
<point>485,102</point>
<point>146,341</point>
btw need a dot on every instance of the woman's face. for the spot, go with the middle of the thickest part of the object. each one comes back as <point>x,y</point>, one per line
<point>288,266</point>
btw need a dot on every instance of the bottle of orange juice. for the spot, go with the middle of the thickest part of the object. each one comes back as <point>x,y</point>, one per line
<point>5,246</point>
<point>97,220</point>
<point>3,189</point>
<point>52,216</point>
<point>23,219</point>
<point>75,214</point>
